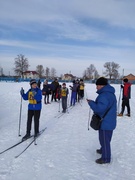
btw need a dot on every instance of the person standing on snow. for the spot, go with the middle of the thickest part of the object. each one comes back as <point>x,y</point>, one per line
<point>46,91</point>
<point>64,95</point>
<point>54,86</point>
<point>73,93</point>
<point>34,96</point>
<point>105,102</point>
<point>126,96</point>
<point>81,88</point>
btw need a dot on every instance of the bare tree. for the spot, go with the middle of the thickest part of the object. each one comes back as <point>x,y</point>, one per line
<point>111,70</point>
<point>53,72</point>
<point>40,70</point>
<point>47,72</point>
<point>96,75</point>
<point>85,75</point>
<point>21,65</point>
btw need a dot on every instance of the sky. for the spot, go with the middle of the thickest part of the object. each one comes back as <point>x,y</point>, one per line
<point>68,36</point>
<point>67,149</point>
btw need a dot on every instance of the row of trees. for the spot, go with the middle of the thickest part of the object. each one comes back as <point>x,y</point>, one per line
<point>111,71</point>
<point>22,64</point>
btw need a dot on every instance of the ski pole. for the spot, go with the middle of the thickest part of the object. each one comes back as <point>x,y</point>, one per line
<point>119,101</point>
<point>89,118</point>
<point>20,116</point>
<point>59,106</point>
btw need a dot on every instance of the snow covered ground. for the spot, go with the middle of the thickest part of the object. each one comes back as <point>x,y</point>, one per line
<point>66,150</point>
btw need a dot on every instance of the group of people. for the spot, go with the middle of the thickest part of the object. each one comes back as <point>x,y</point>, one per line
<point>105,102</point>
<point>56,91</point>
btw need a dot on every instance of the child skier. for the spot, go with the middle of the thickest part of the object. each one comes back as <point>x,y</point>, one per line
<point>34,95</point>
<point>64,95</point>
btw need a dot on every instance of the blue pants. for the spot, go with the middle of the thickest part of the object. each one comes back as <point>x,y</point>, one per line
<point>73,98</point>
<point>105,137</point>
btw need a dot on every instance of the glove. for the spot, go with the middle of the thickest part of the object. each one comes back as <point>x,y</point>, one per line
<point>121,86</point>
<point>22,91</point>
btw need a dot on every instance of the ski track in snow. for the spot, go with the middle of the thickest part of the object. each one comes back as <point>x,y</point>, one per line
<point>66,150</point>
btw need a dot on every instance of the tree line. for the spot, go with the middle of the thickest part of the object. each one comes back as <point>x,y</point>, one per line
<point>21,64</point>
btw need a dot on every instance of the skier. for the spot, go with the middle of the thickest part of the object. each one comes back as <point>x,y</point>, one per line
<point>64,95</point>
<point>34,95</point>
<point>54,86</point>
<point>46,91</point>
<point>74,93</point>
<point>126,96</point>
<point>81,89</point>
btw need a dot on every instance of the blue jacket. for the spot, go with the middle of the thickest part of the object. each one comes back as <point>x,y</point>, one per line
<point>106,99</point>
<point>35,97</point>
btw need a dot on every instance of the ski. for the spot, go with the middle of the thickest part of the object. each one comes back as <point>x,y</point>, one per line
<point>58,114</point>
<point>61,115</point>
<point>11,147</point>
<point>33,140</point>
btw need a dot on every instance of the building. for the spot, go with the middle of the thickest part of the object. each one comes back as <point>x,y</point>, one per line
<point>68,77</point>
<point>31,74</point>
<point>130,77</point>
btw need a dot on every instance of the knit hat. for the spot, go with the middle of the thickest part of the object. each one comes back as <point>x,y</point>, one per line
<point>32,81</point>
<point>64,84</point>
<point>102,81</point>
<point>125,80</point>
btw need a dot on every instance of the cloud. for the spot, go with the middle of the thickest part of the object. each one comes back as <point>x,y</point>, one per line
<point>68,34</point>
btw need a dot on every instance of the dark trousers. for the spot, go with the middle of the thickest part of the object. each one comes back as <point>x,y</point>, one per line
<point>81,93</point>
<point>36,115</point>
<point>46,97</point>
<point>64,103</point>
<point>125,103</point>
<point>105,137</point>
<point>54,95</point>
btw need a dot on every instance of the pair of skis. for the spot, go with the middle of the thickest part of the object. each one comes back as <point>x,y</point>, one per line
<point>62,113</point>
<point>33,141</point>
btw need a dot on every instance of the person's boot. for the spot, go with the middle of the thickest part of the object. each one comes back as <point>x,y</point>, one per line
<point>120,114</point>
<point>26,137</point>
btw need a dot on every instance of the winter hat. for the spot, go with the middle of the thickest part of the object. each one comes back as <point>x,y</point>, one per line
<point>64,84</point>
<point>102,81</point>
<point>32,81</point>
<point>125,80</point>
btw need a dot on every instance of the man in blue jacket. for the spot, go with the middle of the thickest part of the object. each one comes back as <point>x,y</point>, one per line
<point>105,101</point>
<point>34,96</point>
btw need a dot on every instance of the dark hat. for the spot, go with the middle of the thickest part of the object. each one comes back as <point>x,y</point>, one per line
<point>102,81</point>
<point>64,84</point>
<point>32,81</point>
<point>73,81</point>
<point>125,80</point>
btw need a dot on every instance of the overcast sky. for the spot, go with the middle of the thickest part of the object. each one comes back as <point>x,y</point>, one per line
<point>68,35</point>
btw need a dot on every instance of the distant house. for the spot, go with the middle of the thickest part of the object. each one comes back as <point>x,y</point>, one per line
<point>68,77</point>
<point>130,77</point>
<point>31,74</point>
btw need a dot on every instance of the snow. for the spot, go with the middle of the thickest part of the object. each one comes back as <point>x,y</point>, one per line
<point>66,150</point>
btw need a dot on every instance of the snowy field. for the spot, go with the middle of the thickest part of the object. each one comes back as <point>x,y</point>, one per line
<point>66,150</point>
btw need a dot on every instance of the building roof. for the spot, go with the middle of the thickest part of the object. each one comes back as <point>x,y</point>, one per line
<point>32,72</point>
<point>129,77</point>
